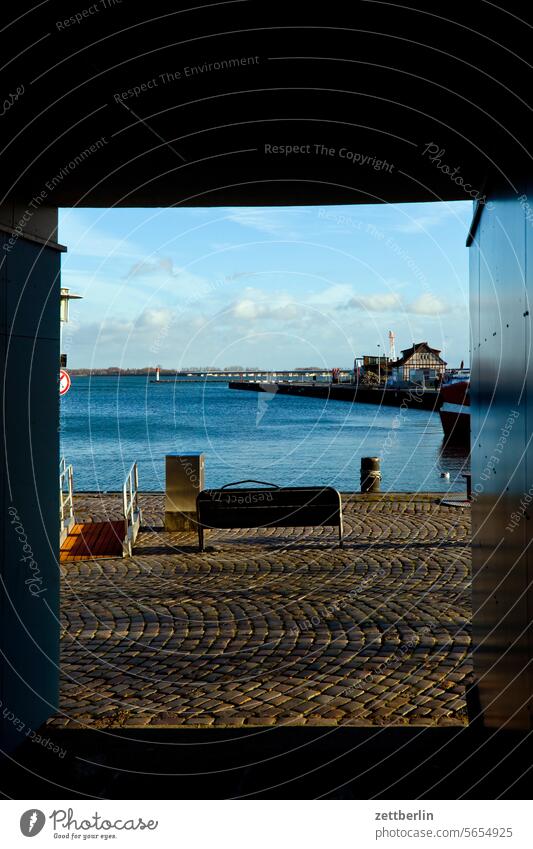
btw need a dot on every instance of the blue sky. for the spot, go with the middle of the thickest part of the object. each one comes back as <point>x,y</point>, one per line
<point>275,287</point>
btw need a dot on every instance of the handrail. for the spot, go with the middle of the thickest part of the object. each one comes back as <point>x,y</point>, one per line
<point>130,492</point>
<point>263,483</point>
<point>66,498</point>
<point>132,513</point>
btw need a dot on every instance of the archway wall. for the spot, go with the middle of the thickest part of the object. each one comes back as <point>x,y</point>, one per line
<point>29,530</point>
<point>501,288</point>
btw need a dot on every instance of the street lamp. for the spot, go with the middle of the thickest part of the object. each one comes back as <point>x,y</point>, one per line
<point>379,365</point>
<point>65,296</point>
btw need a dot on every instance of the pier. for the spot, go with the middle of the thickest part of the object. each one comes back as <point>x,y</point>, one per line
<point>249,376</point>
<point>415,397</point>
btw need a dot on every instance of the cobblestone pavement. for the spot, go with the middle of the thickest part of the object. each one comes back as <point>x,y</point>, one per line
<point>272,627</point>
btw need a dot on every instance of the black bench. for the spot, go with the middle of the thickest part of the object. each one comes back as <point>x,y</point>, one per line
<point>268,506</point>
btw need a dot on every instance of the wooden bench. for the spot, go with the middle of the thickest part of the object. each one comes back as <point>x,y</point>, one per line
<point>268,506</point>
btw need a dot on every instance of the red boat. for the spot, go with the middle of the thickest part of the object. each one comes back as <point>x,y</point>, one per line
<point>455,410</point>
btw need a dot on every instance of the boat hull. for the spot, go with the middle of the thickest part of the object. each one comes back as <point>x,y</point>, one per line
<point>455,420</point>
<point>455,411</point>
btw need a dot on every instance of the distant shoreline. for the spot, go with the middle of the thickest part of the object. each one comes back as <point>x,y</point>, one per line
<point>75,372</point>
<point>165,373</point>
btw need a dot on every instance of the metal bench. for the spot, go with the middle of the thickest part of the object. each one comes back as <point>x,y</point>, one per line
<point>268,505</point>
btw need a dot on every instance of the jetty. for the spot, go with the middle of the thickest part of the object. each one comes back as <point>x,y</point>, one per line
<point>245,375</point>
<point>415,397</point>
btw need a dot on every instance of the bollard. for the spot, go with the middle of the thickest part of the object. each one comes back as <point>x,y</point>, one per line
<point>370,474</point>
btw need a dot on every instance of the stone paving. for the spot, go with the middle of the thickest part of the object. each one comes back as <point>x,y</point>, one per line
<point>272,627</point>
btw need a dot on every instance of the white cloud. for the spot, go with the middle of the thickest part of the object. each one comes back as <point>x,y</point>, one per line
<point>425,304</point>
<point>429,304</point>
<point>332,296</point>
<point>259,305</point>
<point>386,302</point>
<point>154,319</point>
<point>157,265</point>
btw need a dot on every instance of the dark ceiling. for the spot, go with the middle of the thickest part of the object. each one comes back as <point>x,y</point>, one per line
<point>373,80</point>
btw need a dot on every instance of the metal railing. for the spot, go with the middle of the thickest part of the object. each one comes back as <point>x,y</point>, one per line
<point>66,498</point>
<point>132,511</point>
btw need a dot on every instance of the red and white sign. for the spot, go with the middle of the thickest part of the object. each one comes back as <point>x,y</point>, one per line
<point>64,382</point>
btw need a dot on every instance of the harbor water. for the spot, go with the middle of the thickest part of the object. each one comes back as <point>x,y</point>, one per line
<point>107,423</point>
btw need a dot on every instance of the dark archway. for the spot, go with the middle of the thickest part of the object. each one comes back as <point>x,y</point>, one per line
<point>129,106</point>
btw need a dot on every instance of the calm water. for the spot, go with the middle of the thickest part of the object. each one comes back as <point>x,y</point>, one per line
<point>107,423</point>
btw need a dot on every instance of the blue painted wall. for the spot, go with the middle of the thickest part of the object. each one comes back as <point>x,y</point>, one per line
<point>29,523</point>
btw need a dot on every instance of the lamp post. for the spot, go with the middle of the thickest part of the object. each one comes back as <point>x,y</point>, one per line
<point>65,296</point>
<point>379,365</point>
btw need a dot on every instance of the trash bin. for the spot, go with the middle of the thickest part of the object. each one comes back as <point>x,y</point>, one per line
<point>184,479</point>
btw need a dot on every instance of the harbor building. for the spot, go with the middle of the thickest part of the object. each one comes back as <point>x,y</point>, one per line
<point>418,364</point>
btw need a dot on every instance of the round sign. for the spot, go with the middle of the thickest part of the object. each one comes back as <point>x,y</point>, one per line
<point>64,382</point>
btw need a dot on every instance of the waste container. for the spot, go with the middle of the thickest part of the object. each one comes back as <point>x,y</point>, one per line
<point>184,479</point>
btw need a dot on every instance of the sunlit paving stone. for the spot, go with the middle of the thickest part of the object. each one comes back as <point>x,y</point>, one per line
<point>273,628</point>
